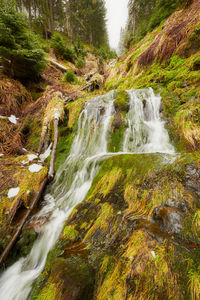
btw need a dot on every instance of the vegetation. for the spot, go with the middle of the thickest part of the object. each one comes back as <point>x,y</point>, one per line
<point>21,56</point>
<point>83,19</point>
<point>80,63</point>
<point>121,241</point>
<point>61,49</point>
<point>70,77</point>
<point>105,53</point>
<point>144,16</point>
<point>87,21</point>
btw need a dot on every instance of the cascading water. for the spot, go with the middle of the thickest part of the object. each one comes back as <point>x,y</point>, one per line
<point>145,133</point>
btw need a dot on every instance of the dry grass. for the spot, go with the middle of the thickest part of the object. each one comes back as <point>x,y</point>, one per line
<point>52,75</point>
<point>188,123</point>
<point>13,96</point>
<point>10,138</point>
<point>173,38</point>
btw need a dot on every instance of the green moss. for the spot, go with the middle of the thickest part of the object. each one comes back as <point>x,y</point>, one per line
<point>116,140</point>
<point>69,233</point>
<point>121,102</point>
<point>16,174</point>
<point>195,34</point>
<point>177,80</point>
<point>48,292</point>
<point>70,277</point>
<point>64,145</point>
<point>126,189</point>
<point>75,109</point>
<point>32,130</point>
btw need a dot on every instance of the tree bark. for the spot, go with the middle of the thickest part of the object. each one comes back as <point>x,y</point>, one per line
<point>51,16</point>
<point>57,65</point>
<point>29,12</point>
<point>53,155</point>
<point>42,138</point>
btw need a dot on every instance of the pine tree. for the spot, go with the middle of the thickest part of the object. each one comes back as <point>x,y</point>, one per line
<point>19,50</point>
<point>87,21</point>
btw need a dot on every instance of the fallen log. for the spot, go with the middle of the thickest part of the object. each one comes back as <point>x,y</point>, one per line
<point>42,138</point>
<point>22,222</point>
<point>53,114</point>
<point>57,65</point>
<point>53,155</point>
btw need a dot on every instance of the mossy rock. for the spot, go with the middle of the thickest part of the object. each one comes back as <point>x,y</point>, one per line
<point>121,102</point>
<point>69,279</point>
<point>114,230</point>
<point>31,129</point>
<point>115,142</point>
<point>16,174</point>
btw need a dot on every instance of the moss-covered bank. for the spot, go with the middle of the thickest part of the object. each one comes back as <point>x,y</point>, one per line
<point>137,230</point>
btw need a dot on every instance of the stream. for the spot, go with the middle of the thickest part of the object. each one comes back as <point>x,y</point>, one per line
<point>145,133</point>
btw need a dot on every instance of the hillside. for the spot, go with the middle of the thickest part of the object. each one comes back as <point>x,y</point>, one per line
<point>100,166</point>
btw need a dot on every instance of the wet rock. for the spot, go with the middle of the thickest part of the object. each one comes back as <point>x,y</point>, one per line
<point>193,179</point>
<point>117,122</point>
<point>93,82</point>
<point>122,101</point>
<point>169,218</point>
<point>71,278</point>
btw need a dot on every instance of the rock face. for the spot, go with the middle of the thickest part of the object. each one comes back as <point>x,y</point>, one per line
<point>71,279</point>
<point>169,218</point>
<point>94,82</point>
<point>91,64</point>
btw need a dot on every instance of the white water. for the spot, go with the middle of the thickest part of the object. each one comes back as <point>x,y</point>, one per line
<point>145,133</point>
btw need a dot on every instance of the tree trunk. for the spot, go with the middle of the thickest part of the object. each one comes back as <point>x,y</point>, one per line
<point>51,16</point>
<point>29,12</point>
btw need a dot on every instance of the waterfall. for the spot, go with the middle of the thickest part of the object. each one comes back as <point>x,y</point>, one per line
<point>145,133</point>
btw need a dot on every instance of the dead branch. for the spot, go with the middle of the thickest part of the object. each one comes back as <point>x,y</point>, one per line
<point>57,65</point>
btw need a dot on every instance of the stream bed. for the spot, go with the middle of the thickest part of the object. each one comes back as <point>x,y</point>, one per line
<point>145,133</point>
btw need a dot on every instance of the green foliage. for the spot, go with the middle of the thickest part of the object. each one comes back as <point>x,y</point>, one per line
<point>60,48</point>
<point>87,21</point>
<point>105,53</point>
<point>79,49</point>
<point>162,10</point>
<point>22,58</point>
<point>148,14</point>
<point>45,47</point>
<point>80,63</point>
<point>70,77</point>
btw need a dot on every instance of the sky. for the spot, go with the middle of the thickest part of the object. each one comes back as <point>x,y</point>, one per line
<point>117,13</point>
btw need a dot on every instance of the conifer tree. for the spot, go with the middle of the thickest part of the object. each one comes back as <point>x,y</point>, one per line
<point>19,50</point>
